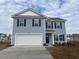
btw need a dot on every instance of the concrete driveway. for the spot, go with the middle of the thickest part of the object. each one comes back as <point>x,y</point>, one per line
<point>25,52</point>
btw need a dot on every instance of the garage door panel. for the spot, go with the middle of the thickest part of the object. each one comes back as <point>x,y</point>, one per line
<point>28,39</point>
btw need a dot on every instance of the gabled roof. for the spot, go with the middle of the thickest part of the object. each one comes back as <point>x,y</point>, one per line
<point>31,13</point>
<point>28,12</point>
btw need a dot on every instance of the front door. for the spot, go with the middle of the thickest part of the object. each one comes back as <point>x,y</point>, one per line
<point>47,37</point>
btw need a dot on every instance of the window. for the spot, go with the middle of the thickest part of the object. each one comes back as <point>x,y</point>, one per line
<point>49,24</point>
<point>55,37</point>
<point>61,37</point>
<point>58,25</point>
<point>36,22</point>
<point>21,22</point>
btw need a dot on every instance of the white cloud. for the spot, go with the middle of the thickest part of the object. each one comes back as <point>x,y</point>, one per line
<point>2,1</point>
<point>19,0</point>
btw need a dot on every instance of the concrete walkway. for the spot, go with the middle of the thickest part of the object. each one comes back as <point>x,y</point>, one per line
<point>25,52</point>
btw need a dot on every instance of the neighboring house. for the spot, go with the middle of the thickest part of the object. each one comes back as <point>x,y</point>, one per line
<point>32,28</point>
<point>69,37</point>
<point>2,36</point>
<point>73,37</point>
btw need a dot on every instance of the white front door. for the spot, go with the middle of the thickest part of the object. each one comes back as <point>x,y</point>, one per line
<point>28,39</point>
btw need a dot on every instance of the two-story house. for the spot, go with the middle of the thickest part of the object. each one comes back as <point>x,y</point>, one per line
<point>32,28</point>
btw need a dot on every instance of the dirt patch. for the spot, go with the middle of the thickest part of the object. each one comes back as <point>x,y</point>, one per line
<point>4,45</point>
<point>64,52</point>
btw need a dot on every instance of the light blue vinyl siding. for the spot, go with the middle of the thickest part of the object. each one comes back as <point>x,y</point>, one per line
<point>29,28</point>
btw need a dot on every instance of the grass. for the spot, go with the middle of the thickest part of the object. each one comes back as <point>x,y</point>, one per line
<point>65,52</point>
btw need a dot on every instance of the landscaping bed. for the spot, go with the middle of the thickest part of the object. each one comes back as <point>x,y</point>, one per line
<point>4,45</point>
<point>65,52</point>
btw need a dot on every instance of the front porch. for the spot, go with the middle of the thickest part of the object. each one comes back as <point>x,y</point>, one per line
<point>49,38</point>
<point>52,39</point>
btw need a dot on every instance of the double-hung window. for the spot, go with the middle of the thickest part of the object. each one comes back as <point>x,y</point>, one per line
<point>21,22</point>
<point>55,37</point>
<point>36,22</point>
<point>61,25</point>
<point>61,37</point>
<point>48,24</point>
<point>58,25</point>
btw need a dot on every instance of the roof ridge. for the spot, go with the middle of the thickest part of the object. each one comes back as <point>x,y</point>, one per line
<point>28,9</point>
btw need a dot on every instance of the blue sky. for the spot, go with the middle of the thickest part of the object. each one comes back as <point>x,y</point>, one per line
<point>66,9</point>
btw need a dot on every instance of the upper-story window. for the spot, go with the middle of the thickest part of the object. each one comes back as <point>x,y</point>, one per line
<point>61,25</point>
<point>58,25</point>
<point>36,22</point>
<point>21,22</point>
<point>49,24</point>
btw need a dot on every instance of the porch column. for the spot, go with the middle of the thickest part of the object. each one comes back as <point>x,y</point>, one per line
<point>44,37</point>
<point>53,39</point>
<point>65,37</point>
<point>58,39</point>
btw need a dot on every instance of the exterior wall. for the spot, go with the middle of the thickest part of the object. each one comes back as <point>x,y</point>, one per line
<point>29,15</point>
<point>28,29</point>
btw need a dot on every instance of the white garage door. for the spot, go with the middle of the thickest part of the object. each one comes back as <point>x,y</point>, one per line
<point>28,39</point>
